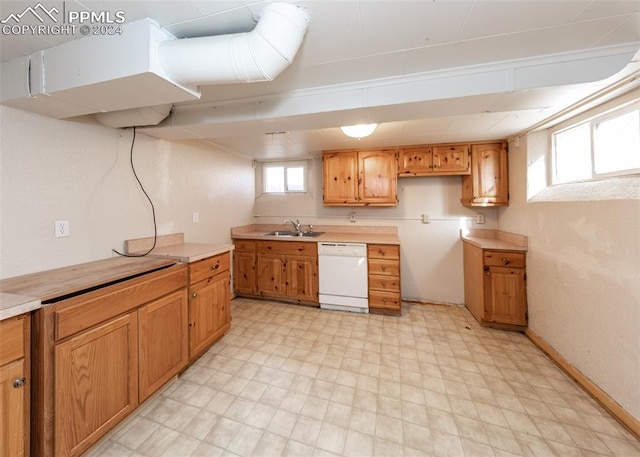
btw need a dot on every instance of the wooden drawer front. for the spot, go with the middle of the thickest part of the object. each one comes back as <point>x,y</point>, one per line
<point>504,258</point>
<point>384,283</point>
<point>86,310</point>
<point>384,267</point>
<point>12,339</point>
<point>205,268</point>
<point>288,248</point>
<point>383,251</point>
<point>384,300</point>
<point>244,245</point>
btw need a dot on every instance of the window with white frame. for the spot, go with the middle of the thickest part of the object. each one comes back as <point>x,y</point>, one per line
<point>284,177</point>
<point>603,146</point>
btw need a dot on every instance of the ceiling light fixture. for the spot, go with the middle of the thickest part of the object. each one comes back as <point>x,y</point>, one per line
<point>358,131</point>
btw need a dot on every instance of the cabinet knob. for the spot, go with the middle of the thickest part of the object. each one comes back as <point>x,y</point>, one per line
<point>384,300</point>
<point>384,267</point>
<point>194,295</point>
<point>215,267</point>
<point>19,382</point>
<point>384,284</point>
<point>505,261</point>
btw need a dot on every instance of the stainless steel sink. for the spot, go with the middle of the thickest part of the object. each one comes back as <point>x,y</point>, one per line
<point>292,234</point>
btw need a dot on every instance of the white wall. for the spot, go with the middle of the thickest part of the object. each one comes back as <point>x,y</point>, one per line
<point>431,254</point>
<point>583,276</point>
<point>62,170</point>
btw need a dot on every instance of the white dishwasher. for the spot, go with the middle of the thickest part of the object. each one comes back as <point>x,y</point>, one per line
<point>342,272</point>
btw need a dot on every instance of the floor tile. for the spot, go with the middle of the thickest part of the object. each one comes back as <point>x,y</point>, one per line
<point>292,380</point>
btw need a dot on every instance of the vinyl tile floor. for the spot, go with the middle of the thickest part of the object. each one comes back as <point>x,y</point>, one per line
<point>290,380</point>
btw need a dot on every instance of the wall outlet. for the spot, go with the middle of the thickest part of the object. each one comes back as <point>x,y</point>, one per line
<point>61,228</point>
<point>196,218</point>
<point>425,218</point>
<point>352,217</point>
<point>480,219</point>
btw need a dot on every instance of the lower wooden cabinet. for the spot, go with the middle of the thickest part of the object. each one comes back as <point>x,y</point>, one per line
<point>495,286</point>
<point>96,383</point>
<point>244,267</point>
<point>101,353</point>
<point>162,336</point>
<point>283,269</point>
<point>209,312</point>
<point>14,386</point>
<point>384,279</point>
<point>209,302</point>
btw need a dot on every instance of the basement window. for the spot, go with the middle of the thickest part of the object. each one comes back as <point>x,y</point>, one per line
<point>604,146</point>
<point>284,177</point>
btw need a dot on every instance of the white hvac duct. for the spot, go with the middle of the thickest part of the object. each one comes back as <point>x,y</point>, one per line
<point>259,55</point>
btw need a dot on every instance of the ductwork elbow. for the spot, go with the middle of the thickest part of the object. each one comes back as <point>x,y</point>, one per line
<point>135,117</point>
<point>259,55</point>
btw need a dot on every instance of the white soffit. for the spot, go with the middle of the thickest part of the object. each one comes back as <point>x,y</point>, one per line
<point>508,77</point>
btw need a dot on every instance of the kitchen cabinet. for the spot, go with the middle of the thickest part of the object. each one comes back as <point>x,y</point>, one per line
<point>434,160</point>
<point>244,267</point>
<point>15,383</point>
<point>209,302</point>
<point>102,351</point>
<point>384,279</point>
<point>495,286</point>
<point>360,178</point>
<point>488,183</point>
<point>287,270</point>
<point>96,383</point>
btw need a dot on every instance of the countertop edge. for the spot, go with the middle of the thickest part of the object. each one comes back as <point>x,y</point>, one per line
<point>492,243</point>
<point>190,252</point>
<point>18,304</point>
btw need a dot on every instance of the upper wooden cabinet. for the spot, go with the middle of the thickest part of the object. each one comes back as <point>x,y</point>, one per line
<point>488,183</point>
<point>360,178</point>
<point>434,160</point>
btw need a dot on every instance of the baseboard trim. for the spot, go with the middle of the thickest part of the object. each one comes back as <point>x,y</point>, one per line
<point>618,412</point>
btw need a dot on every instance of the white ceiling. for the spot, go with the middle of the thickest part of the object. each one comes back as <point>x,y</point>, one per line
<point>427,70</point>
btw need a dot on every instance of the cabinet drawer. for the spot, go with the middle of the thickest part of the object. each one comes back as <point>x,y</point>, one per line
<point>288,248</point>
<point>12,339</point>
<point>384,300</point>
<point>504,258</point>
<point>245,245</point>
<point>383,251</point>
<point>86,310</point>
<point>202,269</point>
<point>384,267</point>
<point>384,283</point>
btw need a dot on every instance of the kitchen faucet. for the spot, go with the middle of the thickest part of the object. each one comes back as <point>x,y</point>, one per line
<point>296,224</point>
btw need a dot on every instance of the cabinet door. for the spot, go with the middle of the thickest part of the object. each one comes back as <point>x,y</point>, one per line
<point>505,295</point>
<point>244,272</point>
<point>209,312</point>
<point>451,159</point>
<point>162,332</point>
<point>302,278</point>
<point>271,276</point>
<point>12,409</point>
<point>378,177</point>
<point>488,184</point>
<point>415,161</point>
<point>96,383</point>
<point>340,178</point>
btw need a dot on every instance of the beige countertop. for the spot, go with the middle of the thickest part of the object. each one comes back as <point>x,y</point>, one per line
<point>13,305</point>
<point>495,240</point>
<point>335,233</point>
<point>172,246</point>
<point>190,252</point>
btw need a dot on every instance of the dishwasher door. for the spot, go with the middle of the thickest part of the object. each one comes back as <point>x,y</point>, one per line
<point>343,276</point>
